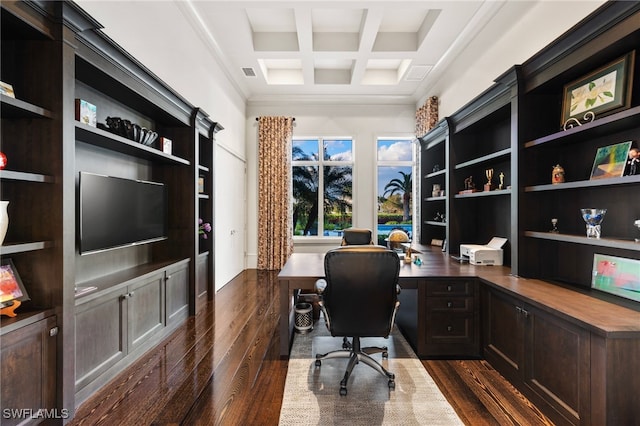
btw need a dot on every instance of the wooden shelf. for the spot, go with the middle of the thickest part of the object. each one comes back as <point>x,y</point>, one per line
<point>438,173</point>
<point>24,176</point>
<point>485,193</point>
<point>13,248</point>
<point>598,127</point>
<point>577,239</point>
<point>484,159</point>
<point>16,108</point>
<point>584,184</point>
<point>23,318</point>
<point>104,139</point>
<point>434,223</point>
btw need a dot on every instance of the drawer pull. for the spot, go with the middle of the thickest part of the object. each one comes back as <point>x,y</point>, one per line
<point>449,288</point>
<point>449,328</point>
<point>449,304</point>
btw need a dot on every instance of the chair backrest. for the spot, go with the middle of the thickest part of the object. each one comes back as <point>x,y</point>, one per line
<point>361,293</point>
<point>356,237</point>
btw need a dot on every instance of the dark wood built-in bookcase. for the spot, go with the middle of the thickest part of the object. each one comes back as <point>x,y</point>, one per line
<point>91,315</point>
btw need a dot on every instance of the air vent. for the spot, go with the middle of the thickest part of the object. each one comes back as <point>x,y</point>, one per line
<point>249,72</point>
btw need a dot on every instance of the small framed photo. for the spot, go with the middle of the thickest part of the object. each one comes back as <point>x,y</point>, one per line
<point>7,89</point>
<point>601,92</point>
<point>86,112</point>
<point>610,161</point>
<point>11,287</point>
<point>165,145</point>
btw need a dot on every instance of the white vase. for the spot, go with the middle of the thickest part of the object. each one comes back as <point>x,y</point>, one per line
<point>4,220</point>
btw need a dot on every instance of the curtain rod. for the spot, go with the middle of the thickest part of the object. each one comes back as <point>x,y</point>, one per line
<point>258,119</point>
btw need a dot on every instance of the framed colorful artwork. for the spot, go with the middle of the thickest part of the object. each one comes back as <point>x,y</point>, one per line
<point>616,275</point>
<point>610,161</point>
<point>601,92</point>
<point>11,287</point>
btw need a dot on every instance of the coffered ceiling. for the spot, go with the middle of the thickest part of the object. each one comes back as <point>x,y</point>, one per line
<point>310,48</point>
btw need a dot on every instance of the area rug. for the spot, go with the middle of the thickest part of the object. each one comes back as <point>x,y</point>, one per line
<point>311,395</point>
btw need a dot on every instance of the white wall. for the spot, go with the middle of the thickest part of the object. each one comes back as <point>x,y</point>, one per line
<point>365,123</point>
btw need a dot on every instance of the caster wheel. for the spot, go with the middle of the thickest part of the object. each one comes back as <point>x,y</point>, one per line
<point>392,384</point>
<point>318,363</point>
<point>343,391</point>
<point>385,354</point>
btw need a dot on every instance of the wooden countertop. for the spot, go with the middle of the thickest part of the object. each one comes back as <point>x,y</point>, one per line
<point>599,316</point>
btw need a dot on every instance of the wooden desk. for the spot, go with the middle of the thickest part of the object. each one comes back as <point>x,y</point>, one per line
<point>302,270</point>
<point>571,353</point>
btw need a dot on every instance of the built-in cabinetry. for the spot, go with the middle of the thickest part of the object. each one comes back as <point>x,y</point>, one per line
<point>440,315</point>
<point>567,256</point>
<point>575,371</point>
<point>132,311</point>
<point>101,309</point>
<point>205,139</point>
<point>28,357</point>
<point>451,322</point>
<point>434,149</point>
<point>481,141</point>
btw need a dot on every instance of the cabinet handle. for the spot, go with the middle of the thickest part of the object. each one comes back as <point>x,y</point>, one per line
<point>519,309</point>
<point>526,313</point>
<point>449,304</point>
<point>449,328</point>
<point>448,288</point>
<point>53,331</point>
<point>127,295</point>
<point>168,277</point>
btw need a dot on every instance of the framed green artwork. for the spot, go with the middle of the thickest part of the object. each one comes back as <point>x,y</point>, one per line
<point>610,161</point>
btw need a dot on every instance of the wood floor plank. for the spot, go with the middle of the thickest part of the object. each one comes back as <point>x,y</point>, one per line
<point>222,367</point>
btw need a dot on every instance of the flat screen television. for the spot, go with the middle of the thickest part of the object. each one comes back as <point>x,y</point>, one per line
<point>118,212</point>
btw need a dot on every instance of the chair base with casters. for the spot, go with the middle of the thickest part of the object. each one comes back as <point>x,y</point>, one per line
<point>356,354</point>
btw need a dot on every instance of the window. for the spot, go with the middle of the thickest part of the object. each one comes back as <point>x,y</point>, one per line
<point>322,185</point>
<point>395,186</point>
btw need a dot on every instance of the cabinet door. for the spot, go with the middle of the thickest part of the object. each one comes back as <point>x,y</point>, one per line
<point>557,364</point>
<point>177,293</point>
<point>202,280</point>
<point>145,308</point>
<point>503,333</point>
<point>28,359</point>
<point>101,335</point>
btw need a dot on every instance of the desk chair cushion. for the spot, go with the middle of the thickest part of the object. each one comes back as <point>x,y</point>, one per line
<point>356,236</point>
<point>361,293</point>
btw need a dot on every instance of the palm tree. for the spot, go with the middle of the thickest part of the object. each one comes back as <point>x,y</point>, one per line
<point>405,186</point>
<point>337,190</point>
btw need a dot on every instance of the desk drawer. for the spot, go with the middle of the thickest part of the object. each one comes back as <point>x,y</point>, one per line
<point>450,304</point>
<point>451,288</point>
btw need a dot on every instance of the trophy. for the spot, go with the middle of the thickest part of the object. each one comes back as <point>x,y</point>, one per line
<point>501,176</point>
<point>489,174</point>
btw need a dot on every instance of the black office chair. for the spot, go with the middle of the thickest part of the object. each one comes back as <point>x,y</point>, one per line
<point>360,300</point>
<point>356,237</point>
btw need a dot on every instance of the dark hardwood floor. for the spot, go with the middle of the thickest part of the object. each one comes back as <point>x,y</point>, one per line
<point>222,367</point>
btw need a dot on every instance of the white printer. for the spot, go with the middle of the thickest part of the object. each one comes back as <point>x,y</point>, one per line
<point>488,254</point>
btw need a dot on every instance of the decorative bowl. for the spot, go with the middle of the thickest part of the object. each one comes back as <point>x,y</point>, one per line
<point>593,218</point>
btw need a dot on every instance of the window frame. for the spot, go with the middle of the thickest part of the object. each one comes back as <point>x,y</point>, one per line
<point>395,163</point>
<point>320,163</point>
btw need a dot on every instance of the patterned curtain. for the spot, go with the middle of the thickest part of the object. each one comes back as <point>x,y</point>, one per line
<point>427,116</point>
<point>275,223</point>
